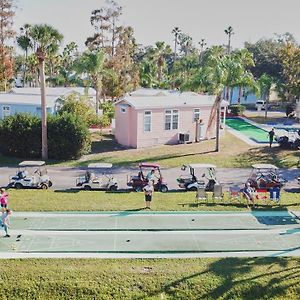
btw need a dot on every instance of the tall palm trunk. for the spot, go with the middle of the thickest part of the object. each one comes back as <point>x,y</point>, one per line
<point>218,103</point>
<point>44,110</point>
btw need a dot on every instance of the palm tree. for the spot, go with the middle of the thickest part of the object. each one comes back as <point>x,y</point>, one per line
<point>24,43</point>
<point>265,83</point>
<point>159,55</point>
<point>229,32</point>
<point>176,31</point>
<point>91,64</point>
<point>44,38</point>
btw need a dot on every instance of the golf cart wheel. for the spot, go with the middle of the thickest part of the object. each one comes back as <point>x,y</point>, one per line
<point>113,188</point>
<point>18,186</point>
<point>193,189</point>
<point>163,189</point>
<point>44,186</point>
<point>138,188</point>
<point>87,188</point>
<point>50,183</point>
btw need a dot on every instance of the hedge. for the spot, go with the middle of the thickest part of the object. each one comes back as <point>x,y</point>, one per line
<point>68,136</point>
<point>237,109</point>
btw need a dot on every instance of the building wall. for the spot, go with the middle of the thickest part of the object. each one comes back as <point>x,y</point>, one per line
<point>22,108</point>
<point>158,135</point>
<point>125,125</point>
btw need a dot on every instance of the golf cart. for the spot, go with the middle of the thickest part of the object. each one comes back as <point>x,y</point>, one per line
<point>265,176</point>
<point>138,182</point>
<point>90,181</point>
<point>26,177</point>
<point>197,176</point>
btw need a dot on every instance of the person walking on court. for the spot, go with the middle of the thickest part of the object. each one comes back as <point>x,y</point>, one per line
<point>3,198</point>
<point>271,134</point>
<point>148,190</point>
<point>5,222</point>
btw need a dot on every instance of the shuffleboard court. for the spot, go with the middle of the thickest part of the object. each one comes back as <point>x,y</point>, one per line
<point>152,233</point>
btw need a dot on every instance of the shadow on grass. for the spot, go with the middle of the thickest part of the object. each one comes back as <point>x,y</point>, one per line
<point>77,190</point>
<point>235,278</point>
<point>274,155</point>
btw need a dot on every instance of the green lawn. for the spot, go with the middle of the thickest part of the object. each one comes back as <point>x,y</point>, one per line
<point>224,278</point>
<point>234,153</point>
<point>38,200</point>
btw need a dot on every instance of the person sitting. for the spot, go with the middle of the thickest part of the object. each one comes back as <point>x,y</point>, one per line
<point>248,193</point>
<point>150,175</point>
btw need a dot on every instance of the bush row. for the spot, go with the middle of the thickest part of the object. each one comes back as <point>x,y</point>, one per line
<point>68,136</point>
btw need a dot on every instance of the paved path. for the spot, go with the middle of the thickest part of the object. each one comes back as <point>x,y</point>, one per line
<point>65,177</point>
<point>153,234</point>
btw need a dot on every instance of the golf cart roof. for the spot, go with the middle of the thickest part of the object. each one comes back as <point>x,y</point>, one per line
<point>100,166</point>
<point>264,166</point>
<point>149,165</point>
<point>31,163</point>
<point>202,166</point>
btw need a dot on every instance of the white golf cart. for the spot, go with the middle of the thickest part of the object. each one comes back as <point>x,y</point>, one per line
<point>90,181</point>
<point>197,175</point>
<point>265,176</point>
<point>31,174</point>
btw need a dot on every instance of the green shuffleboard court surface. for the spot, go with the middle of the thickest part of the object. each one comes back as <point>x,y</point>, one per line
<point>253,132</point>
<point>116,232</point>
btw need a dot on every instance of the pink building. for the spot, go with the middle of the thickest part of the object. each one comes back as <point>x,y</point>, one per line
<point>150,117</point>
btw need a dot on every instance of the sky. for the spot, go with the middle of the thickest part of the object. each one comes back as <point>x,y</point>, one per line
<point>153,20</point>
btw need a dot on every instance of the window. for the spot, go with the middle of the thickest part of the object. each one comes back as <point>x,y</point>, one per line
<point>123,109</point>
<point>147,120</point>
<point>5,111</point>
<point>171,119</point>
<point>196,114</point>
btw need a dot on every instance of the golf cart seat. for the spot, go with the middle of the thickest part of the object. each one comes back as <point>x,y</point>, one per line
<point>22,174</point>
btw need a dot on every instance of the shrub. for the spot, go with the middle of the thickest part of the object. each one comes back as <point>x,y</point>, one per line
<point>237,109</point>
<point>68,136</point>
<point>20,135</point>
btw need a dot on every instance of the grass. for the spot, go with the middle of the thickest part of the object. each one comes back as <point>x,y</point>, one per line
<point>237,153</point>
<point>38,200</point>
<point>209,278</point>
<point>234,154</point>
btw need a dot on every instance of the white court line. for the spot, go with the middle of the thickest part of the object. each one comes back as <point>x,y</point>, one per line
<point>147,233</point>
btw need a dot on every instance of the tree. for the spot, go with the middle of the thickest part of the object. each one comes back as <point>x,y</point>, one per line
<point>45,39</point>
<point>91,65</point>
<point>176,31</point>
<point>229,32</point>
<point>24,43</point>
<point>6,33</point>
<point>290,57</point>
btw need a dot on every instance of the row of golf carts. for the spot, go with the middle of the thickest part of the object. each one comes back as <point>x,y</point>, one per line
<point>33,174</point>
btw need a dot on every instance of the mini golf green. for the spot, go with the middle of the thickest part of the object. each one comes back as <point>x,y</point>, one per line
<point>253,132</point>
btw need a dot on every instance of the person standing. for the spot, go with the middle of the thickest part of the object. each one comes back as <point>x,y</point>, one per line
<point>148,190</point>
<point>3,198</point>
<point>271,136</point>
<point>5,220</point>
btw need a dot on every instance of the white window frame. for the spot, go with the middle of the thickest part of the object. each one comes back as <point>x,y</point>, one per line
<point>171,113</point>
<point>6,111</point>
<point>197,114</point>
<point>147,114</point>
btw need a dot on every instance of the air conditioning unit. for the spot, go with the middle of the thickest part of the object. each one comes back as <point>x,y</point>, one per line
<point>184,138</point>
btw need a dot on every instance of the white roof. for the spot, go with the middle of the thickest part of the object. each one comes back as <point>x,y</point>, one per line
<point>32,163</point>
<point>53,91</point>
<point>9,98</point>
<point>169,101</point>
<point>100,166</point>
<point>264,166</point>
<point>203,166</point>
